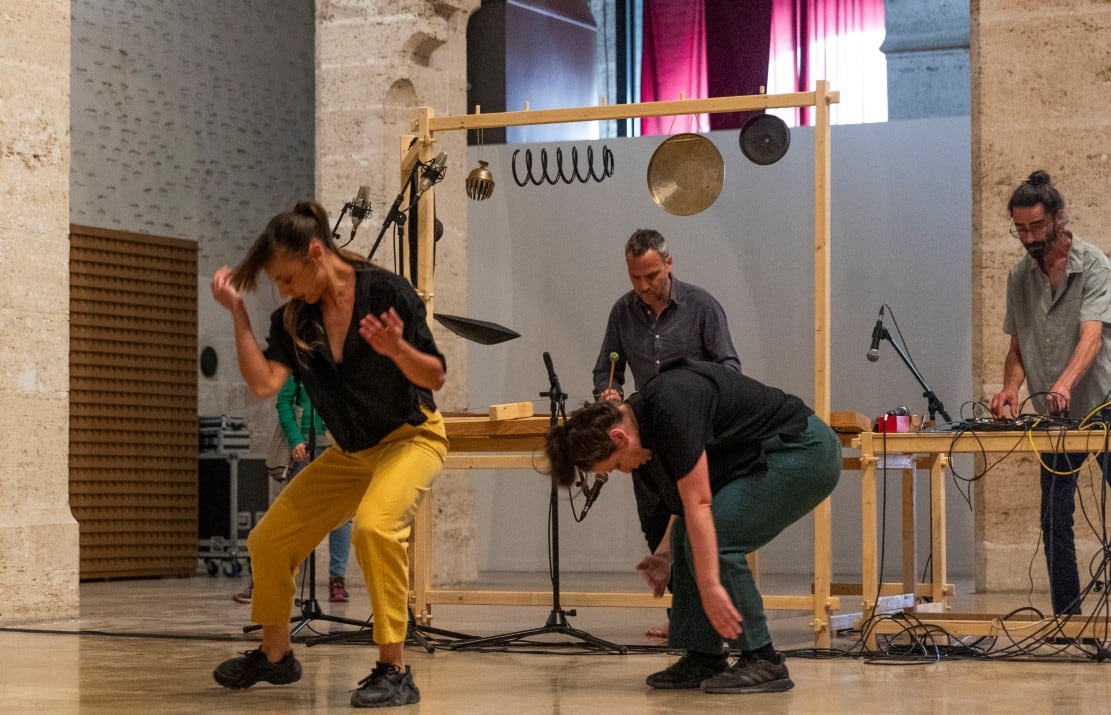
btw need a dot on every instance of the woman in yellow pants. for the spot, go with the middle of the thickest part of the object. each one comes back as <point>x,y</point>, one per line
<point>357,338</point>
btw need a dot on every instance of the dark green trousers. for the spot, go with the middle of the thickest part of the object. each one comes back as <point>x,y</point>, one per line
<point>748,513</point>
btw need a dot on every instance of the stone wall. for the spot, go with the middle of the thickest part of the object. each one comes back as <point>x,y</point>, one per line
<point>1041,86</point>
<point>38,536</point>
<point>373,70</point>
<point>194,120</point>
<point>926,45</point>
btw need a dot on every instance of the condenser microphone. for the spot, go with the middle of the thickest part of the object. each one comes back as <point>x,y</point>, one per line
<point>594,491</point>
<point>873,353</point>
<point>360,209</point>
<point>433,173</point>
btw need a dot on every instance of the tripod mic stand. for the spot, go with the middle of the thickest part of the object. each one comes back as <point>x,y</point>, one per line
<point>310,607</point>
<point>415,634</point>
<point>557,619</point>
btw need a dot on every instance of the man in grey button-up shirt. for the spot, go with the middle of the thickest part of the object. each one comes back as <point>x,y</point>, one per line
<point>660,320</point>
<point>1059,319</point>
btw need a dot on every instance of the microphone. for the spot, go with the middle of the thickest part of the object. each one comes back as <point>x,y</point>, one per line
<point>360,209</point>
<point>554,390</point>
<point>433,173</point>
<point>873,353</point>
<point>594,491</point>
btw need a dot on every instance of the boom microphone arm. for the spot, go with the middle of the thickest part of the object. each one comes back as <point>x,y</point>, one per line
<point>933,404</point>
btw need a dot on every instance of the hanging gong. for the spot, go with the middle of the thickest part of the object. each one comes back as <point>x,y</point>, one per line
<point>764,139</point>
<point>685,174</point>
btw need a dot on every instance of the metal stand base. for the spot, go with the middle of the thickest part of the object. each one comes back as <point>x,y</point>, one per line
<point>557,623</point>
<point>310,607</point>
<point>415,635</point>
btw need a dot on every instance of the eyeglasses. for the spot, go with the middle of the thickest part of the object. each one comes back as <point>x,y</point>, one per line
<point>1037,228</point>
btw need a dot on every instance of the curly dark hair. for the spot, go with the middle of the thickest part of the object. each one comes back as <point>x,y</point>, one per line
<point>582,441</point>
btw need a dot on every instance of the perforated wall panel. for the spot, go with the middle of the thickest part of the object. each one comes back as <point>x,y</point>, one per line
<point>133,402</point>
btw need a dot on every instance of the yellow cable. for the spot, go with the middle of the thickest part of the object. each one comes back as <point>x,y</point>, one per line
<point>1034,449</point>
<point>1088,416</point>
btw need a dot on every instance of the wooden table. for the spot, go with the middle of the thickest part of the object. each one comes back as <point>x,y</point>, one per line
<point>931,450</point>
<point>477,442</point>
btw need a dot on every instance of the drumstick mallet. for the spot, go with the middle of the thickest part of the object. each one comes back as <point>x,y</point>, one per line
<point>613,364</point>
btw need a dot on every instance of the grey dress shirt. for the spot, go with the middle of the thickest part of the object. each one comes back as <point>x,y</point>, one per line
<point>692,325</point>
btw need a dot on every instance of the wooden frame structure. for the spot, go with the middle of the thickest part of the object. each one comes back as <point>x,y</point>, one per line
<point>427,125</point>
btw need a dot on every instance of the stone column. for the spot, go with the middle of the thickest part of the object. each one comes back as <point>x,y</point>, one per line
<point>38,536</point>
<point>927,58</point>
<point>374,68</point>
<point>1041,86</point>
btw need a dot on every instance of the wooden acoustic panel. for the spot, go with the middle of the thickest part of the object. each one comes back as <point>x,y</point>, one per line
<point>133,403</point>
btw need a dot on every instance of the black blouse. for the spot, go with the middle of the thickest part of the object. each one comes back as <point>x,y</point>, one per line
<point>365,396</point>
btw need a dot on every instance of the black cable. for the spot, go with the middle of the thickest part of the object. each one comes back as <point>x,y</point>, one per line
<point>918,643</point>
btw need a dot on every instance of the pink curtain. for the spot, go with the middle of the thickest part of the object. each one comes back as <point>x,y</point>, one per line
<point>673,62</point>
<point>837,40</point>
<point>703,48</point>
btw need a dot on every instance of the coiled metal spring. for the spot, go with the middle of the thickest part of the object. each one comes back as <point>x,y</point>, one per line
<point>560,173</point>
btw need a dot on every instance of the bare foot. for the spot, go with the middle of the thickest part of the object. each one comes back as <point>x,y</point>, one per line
<point>657,631</point>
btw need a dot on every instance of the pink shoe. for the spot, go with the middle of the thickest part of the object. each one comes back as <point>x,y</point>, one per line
<point>337,590</point>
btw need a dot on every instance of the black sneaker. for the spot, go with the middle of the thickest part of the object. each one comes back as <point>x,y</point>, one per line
<point>751,674</point>
<point>386,686</point>
<point>252,666</point>
<point>688,672</point>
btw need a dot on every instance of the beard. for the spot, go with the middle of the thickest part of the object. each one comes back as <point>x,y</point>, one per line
<point>1038,249</point>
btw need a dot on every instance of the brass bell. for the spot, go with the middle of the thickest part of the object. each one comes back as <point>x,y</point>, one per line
<point>480,182</point>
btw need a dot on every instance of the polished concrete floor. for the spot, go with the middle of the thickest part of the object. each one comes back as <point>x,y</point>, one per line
<point>150,646</point>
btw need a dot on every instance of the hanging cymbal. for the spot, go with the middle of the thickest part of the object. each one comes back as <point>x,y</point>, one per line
<point>764,139</point>
<point>685,174</point>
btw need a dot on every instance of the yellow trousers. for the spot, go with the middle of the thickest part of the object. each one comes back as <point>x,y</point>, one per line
<point>380,489</point>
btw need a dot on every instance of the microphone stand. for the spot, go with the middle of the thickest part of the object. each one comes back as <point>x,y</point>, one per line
<point>342,213</point>
<point>933,404</point>
<point>395,215</point>
<point>557,619</point>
